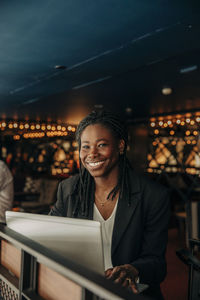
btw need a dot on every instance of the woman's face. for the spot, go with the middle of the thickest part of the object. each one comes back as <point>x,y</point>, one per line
<point>99,152</point>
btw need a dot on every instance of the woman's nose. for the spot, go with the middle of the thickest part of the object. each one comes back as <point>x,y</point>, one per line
<point>93,151</point>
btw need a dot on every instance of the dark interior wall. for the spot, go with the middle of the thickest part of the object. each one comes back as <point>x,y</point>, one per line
<point>138,146</point>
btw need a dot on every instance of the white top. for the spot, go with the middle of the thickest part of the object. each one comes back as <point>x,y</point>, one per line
<point>107,230</point>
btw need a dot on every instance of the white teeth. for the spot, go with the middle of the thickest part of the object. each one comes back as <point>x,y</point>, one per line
<point>95,163</point>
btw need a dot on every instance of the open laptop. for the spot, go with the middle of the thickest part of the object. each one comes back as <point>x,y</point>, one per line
<point>76,239</point>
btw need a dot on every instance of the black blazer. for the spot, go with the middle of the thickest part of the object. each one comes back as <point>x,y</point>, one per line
<point>140,229</point>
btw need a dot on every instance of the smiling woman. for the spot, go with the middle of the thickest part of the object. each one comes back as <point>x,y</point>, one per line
<point>98,151</point>
<point>133,211</point>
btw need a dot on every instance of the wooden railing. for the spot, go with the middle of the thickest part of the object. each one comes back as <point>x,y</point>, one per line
<point>29,270</point>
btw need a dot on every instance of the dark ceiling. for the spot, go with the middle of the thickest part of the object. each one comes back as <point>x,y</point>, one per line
<point>59,58</point>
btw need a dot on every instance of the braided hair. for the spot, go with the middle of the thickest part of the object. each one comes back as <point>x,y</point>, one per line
<point>85,185</point>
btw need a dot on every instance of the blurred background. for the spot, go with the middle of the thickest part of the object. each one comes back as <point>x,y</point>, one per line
<point>141,59</point>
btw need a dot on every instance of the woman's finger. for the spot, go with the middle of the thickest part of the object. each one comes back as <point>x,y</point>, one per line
<point>108,272</point>
<point>114,273</point>
<point>121,277</point>
<point>133,288</point>
<point>125,283</point>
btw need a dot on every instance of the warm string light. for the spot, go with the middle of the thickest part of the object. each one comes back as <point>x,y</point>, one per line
<point>177,131</point>
<point>35,129</point>
<point>188,122</point>
<point>56,133</point>
<point>33,135</point>
<point>180,120</point>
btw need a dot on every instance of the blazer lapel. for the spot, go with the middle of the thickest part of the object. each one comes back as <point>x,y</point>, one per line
<point>125,212</point>
<point>90,216</point>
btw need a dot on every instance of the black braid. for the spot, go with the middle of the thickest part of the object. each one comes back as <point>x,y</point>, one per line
<point>86,183</point>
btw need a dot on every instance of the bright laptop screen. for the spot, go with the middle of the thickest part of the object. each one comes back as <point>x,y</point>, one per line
<point>76,239</point>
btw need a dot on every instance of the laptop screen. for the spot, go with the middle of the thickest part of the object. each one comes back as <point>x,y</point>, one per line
<point>76,239</point>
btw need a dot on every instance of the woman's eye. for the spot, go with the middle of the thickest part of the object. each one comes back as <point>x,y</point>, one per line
<point>102,145</point>
<point>85,147</point>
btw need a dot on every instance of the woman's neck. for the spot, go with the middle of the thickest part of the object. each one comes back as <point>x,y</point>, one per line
<point>106,183</point>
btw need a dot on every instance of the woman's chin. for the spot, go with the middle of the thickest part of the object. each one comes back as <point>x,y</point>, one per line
<point>96,173</point>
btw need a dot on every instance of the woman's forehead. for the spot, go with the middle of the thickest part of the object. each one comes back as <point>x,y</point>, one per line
<point>96,130</point>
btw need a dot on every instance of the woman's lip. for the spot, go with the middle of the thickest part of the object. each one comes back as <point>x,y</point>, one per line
<point>96,164</point>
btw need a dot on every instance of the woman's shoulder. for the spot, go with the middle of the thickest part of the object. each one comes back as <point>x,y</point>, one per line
<point>3,166</point>
<point>6,175</point>
<point>70,183</point>
<point>143,182</point>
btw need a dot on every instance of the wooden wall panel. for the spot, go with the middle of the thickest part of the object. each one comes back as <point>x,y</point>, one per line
<point>53,286</point>
<point>11,258</point>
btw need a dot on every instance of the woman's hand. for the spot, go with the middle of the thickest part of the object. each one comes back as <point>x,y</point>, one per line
<point>125,275</point>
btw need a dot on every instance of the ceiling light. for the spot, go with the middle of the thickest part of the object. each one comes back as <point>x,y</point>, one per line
<point>167,90</point>
<point>98,106</point>
<point>128,110</point>
<point>188,69</point>
<point>60,67</point>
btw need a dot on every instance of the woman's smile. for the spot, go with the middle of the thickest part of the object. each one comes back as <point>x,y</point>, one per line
<point>95,164</point>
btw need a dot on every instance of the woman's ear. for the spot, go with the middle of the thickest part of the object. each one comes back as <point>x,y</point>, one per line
<point>121,146</point>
